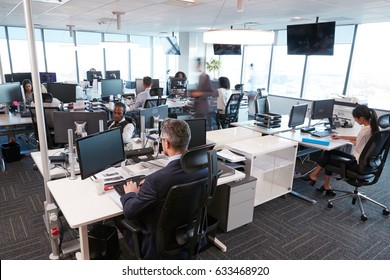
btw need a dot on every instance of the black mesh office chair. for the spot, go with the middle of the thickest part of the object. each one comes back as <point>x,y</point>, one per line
<point>231,111</point>
<point>49,125</point>
<point>156,92</point>
<point>150,103</point>
<point>183,223</point>
<point>371,163</point>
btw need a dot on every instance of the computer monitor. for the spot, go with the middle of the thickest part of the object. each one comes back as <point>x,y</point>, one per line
<point>323,109</point>
<point>146,116</point>
<point>48,77</point>
<point>94,75</point>
<point>99,151</point>
<point>10,92</point>
<point>113,74</point>
<point>198,132</point>
<point>19,77</point>
<point>297,115</point>
<point>66,120</point>
<point>155,83</point>
<point>111,87</point>
<point>63,92</point>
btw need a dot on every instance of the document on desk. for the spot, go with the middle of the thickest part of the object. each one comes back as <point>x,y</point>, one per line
<point>230,156</point>
<point>112,175</point>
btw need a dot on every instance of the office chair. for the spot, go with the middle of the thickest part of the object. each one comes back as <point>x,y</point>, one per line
<point>231,111</point>
<point>156,92</point>
<point>262,105</point>
<point>150,103</point>
<point>183,224</point>
<point>48,115</point>
<point>371,163</point>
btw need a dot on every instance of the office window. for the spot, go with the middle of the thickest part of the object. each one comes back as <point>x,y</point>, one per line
<point>20,55</point>
<point>257,76</point>
<point>5,63</point>
<point>89,52</point>
<point>286,73</point>
<point>117,54</point>
<point>60,51</point>
<point>325,75</point>
<point>141,57</point>
<point>370,71</point>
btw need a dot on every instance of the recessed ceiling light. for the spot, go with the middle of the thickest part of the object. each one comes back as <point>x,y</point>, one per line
<point>296,18</point>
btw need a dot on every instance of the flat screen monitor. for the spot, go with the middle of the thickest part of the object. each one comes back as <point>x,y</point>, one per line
<point>19,77</point>
<point>111,87</point>
<point>322,109</point>
<point>48,77</point>
<point>297,115</point>
<point>227,49</point>
<point>94,155</point>
<point>63,92</point>
<point>94,75</point>
<point>10,92</point>
<point>66,120</point>
<point>8,78</point>
<point>311,39</point>
<point>178,83</point>
<point>198,132</point>
<point>113,74</point>
<point>147,116</point>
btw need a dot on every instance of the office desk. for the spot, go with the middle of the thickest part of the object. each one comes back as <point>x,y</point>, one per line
<point>270,131</point>
<point>334,144</point>
<point>81,206</point>
<point>229,135</point>
<point>14,124</point>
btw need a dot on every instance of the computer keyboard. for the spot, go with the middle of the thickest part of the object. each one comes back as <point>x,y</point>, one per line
<point>118,186</point>
<point>324,133</point>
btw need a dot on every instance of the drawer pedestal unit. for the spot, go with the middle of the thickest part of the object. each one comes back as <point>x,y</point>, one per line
<point>232,203</point>
<point>271,160</point>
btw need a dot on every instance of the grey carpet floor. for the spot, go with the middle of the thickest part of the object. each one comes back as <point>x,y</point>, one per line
<point>286,228</point>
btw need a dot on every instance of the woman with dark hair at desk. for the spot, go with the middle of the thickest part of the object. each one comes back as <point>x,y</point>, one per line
<point>363,116</point>
<point>28,91</point>
<point>224,93</point>
<point>180,74</point>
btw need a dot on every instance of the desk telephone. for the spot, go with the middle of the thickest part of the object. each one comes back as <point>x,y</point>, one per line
<point>138,155</point>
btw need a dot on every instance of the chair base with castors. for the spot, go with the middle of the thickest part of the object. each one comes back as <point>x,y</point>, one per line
<point>358,197</point>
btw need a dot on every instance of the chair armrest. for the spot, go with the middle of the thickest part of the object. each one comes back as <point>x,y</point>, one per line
<point>343,161</point>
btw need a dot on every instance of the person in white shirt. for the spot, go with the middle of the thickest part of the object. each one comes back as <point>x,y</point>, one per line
<point>142,96</point>
<point>48,101</point>
<point>224,93</point>
<point>118,120</point>
<point>363,116</point>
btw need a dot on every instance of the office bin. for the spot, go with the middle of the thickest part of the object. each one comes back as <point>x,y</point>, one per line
<point>10,151</point>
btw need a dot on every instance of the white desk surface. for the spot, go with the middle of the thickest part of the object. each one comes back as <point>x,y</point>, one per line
<point>283,126</point>
<point>334,144</point>
<point>229,135</point>
<point>11,119</point>
<point>81,206</point>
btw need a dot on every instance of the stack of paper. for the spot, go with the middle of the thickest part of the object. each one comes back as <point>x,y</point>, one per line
<point>230,156</point>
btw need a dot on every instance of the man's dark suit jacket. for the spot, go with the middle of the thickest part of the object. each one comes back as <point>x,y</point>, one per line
<point>146,206</point>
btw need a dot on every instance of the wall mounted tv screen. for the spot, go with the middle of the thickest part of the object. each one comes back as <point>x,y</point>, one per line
<point>226,49</point>
<point>311,39</point>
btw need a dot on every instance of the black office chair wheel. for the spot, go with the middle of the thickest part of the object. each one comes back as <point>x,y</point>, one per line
<point>353,201</point>
<point>363,217</point>
<point>386,212</point>
<point>330,205</point>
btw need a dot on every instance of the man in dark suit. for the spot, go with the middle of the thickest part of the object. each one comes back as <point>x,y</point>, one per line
<point>145,202</point>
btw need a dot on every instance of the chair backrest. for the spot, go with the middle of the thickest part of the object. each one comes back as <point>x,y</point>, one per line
<point>262,105</point>
<point>233,105</point>
<point>156,92</point>
<point>182,219</point>
<point>374,154</point>
<point>384,121</point>
<point>150,103</point>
